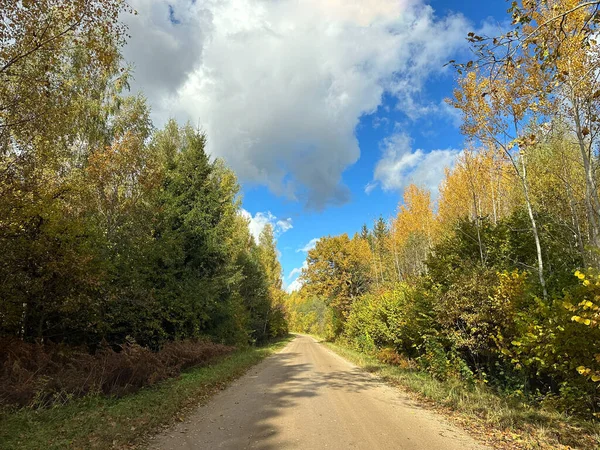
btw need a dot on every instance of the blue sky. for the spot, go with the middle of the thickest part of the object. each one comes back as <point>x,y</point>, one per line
<point>326,109</point>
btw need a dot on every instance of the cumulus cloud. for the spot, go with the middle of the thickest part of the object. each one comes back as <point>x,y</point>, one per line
<point>294,286</point>
<point>309,245</point>
<point>280,86</point>
<point>294,275</point>
<point>283,225</point>
<point>260,220</point>
<point>297,271</point>
<point>165,45</point>
<point>400,165</point>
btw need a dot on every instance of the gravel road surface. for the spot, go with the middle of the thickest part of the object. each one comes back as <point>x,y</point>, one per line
<point>307,397</point>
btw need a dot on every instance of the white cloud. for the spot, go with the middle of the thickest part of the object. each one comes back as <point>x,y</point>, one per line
<point>284,225</point>
<point>297,271</point>
<point>280,86</point>
<point>400,165</point>
<point>370,186</point>
<point>296,284</point>
<point>309,245</point>
<point>258,222</point>
<point>165,54</point>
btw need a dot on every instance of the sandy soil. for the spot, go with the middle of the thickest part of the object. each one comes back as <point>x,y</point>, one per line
<point>307,397</point>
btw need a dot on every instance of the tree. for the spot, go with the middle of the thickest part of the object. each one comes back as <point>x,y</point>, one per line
<point>496,102</point>
<point>382,255</point>
<point>479,187</point>
<point>569,54</point>
<point>338,270</point>
<point>268,253</point>
<point>545,67</point>
<point>47,47</point>
<point>558,188</point>
<point>267,246</point>
<point>112,230</point>
<point>413,232</point>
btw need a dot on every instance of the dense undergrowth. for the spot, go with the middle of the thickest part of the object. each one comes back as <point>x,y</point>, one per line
<point>34,376</point>
<point>101,422</point>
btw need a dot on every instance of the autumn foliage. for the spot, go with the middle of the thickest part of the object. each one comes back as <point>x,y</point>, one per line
<point>40,376</point>
<point>493,279</point>
<point>122,244</point>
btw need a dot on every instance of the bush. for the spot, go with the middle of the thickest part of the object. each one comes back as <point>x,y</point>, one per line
<point>397,319</point>
<point>38,375</point>
<point>443,364</point>
<point>477,312</point>
<point>390,356</point>
<point>557,346</point>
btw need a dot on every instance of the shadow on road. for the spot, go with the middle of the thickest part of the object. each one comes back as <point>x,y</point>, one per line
<point>267,408</point>
<point>281,386</point>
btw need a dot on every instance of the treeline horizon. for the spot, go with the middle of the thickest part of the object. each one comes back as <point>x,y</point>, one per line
<point>498,283</point>
<point>113,231</point>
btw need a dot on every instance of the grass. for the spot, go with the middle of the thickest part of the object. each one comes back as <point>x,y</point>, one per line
<point>100,422</point>
<point>502,422</point>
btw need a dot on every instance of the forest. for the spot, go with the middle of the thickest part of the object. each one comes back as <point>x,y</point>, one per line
<point>494,279</point>
<point>127,257</point>
<point>115,235</point>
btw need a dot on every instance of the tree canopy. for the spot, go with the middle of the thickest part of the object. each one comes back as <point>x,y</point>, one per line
<point>113,230</point>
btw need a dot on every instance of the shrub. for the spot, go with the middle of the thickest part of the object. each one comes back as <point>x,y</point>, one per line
<point>479,308</point>
<point>443,364</point>
<point>397,319</point>
<point>557,346</point>
<point>42,375</point>
<point>390,356</point>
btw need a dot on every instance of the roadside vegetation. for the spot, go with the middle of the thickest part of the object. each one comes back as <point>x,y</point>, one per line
<point>485,295</point>
<point>113,231</point>
<point>501,421</point>
<point>39,376</point>
<point>127,260</point>
<point>126,256</point>
<point>101,422</point>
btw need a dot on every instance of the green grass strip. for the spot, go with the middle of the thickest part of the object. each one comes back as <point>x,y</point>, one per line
<point>98,422</point>
<point>501,421</point>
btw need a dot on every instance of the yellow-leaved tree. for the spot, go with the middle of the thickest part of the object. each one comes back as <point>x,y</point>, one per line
<point>413,232</point>
<point>338,270</point>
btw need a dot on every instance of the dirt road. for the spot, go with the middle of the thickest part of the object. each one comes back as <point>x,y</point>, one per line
<point>306,397</point>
